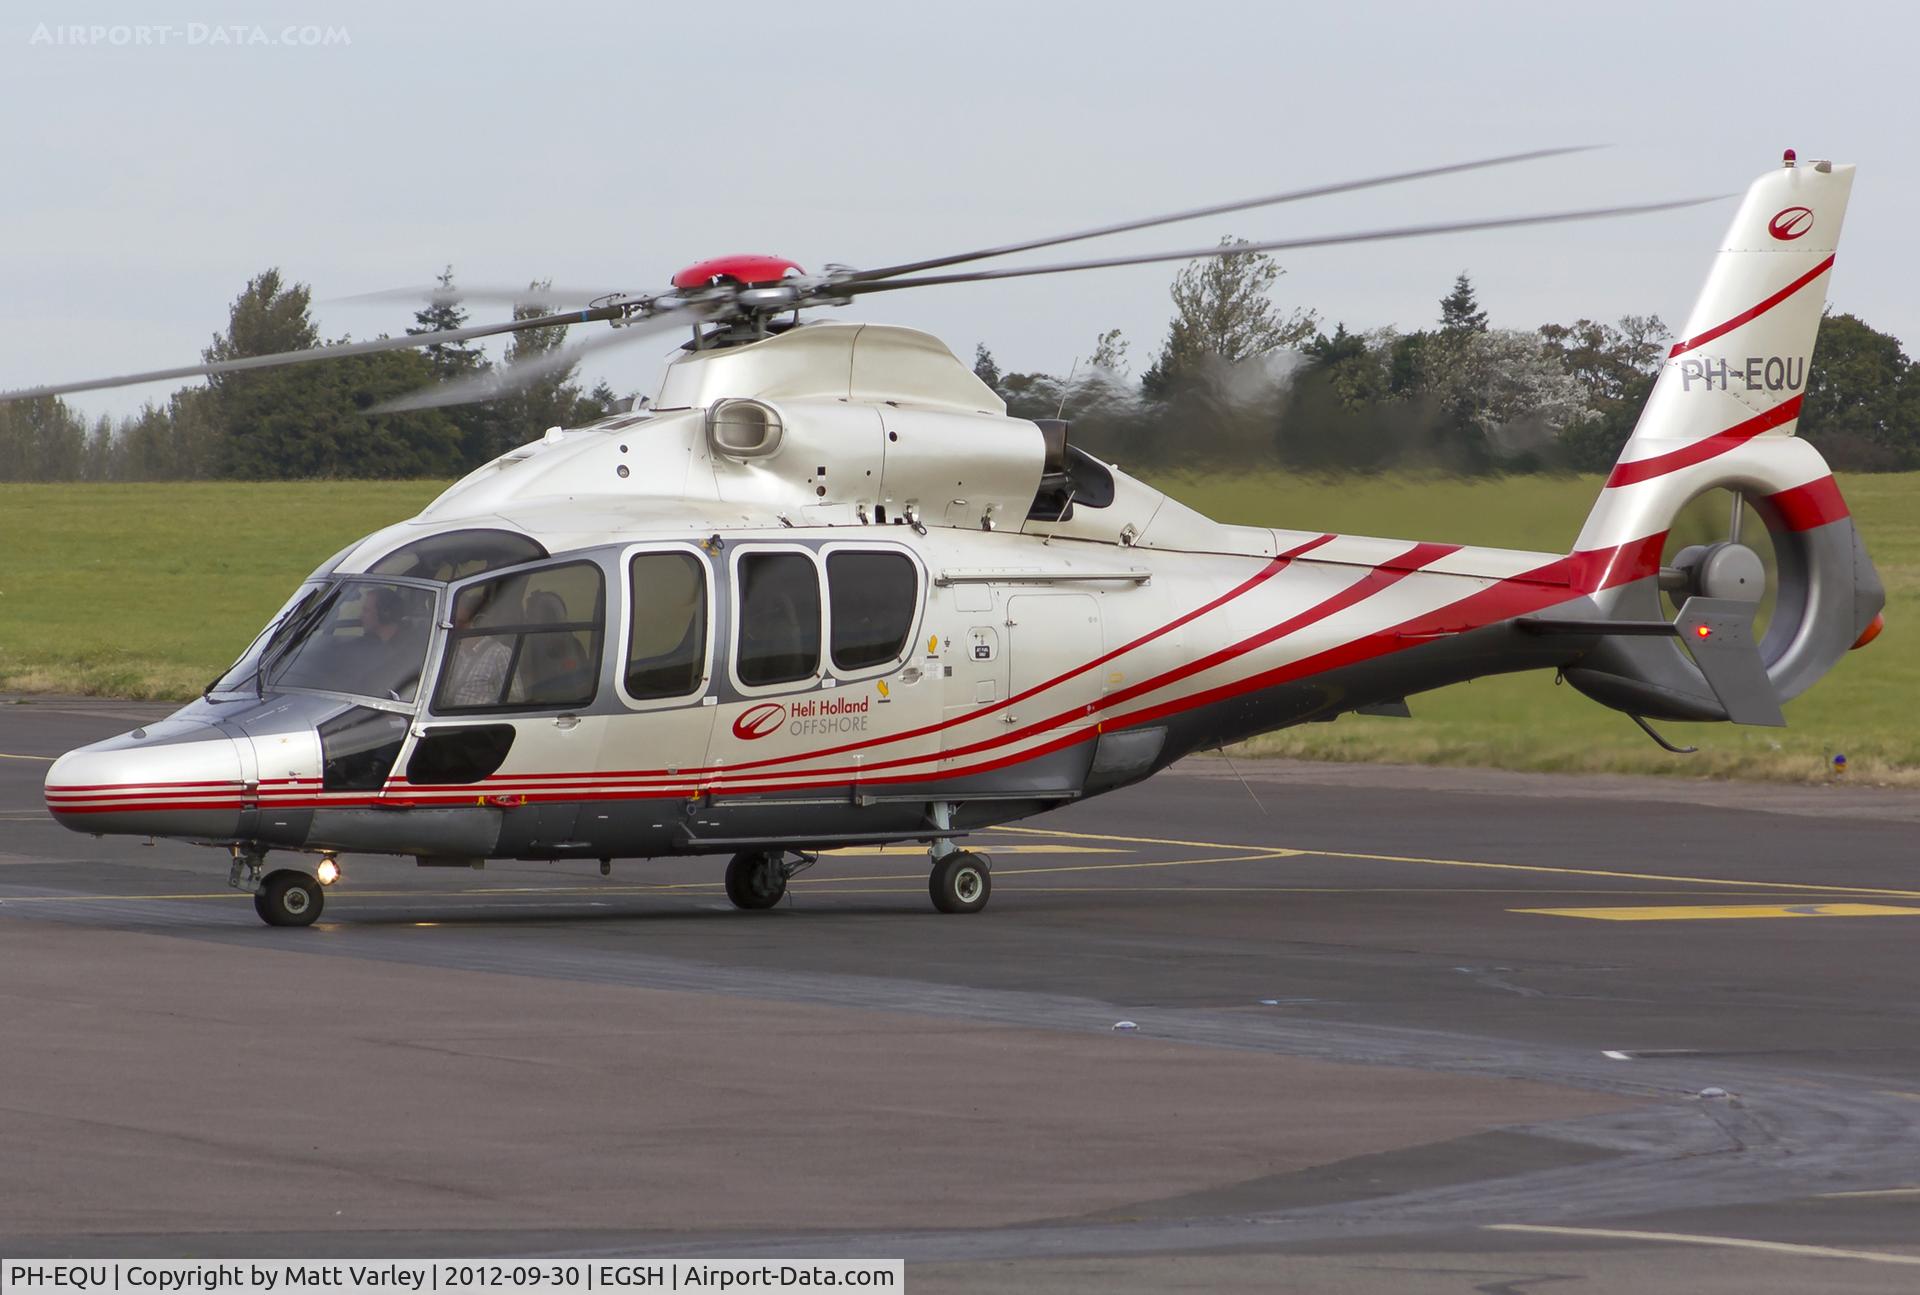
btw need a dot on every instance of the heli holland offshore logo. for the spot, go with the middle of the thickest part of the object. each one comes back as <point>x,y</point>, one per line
<point>758,721</point>
<point>811,717</point>
<point>1790,223</point>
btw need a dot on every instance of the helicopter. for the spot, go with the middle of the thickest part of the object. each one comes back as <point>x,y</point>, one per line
<point>822,591</point>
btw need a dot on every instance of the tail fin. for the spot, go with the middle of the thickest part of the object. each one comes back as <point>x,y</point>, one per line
<point>1722,415</point>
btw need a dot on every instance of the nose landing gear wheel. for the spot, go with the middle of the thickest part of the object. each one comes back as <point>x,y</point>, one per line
<point>961,882</point>
<point>755,881</point>
<point>288,898</point>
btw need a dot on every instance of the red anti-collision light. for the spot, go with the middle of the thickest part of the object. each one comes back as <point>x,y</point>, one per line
<point>748,270</point>
<point>1703,631</point>
<point>1872,631</point>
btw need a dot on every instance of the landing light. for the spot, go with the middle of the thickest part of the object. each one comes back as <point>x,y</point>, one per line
<point>327,873</point>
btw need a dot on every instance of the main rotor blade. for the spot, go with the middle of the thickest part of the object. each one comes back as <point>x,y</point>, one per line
<point>1218,209</point>
<point>1272,245</point>
<point>480,294</point>
<point>524,373</point>
<point>343,351</point>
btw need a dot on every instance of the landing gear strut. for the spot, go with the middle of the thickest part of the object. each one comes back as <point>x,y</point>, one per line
<point>757,879</point>
<point>285,896</point>
<point>961,880</point>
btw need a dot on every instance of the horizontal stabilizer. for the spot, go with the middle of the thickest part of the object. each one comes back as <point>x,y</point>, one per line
<point>1719,634</point>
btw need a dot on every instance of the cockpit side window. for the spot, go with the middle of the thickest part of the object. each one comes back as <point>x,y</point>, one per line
<point>667,630</point>
<point>526,641</point>
<point>456,555</point>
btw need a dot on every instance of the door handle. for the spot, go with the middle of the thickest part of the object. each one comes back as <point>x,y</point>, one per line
<point>564,722</point>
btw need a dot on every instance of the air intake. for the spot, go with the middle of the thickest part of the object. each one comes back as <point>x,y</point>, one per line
<point>744,429</point>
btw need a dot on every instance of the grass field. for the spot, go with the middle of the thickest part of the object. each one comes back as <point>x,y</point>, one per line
<point>149,590</point>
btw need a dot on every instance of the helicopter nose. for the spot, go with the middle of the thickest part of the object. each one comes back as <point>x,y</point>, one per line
<point>178,778</point>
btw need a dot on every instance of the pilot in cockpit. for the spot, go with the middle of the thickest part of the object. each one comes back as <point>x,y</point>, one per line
<point>394,641</point>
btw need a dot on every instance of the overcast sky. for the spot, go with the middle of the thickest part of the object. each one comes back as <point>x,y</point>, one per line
<point>608,144</point>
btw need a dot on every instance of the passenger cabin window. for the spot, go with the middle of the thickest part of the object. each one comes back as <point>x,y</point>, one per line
<point>526,641</point>
<point>874,597</point>
<point>778,640</point>
<point>667,625</point>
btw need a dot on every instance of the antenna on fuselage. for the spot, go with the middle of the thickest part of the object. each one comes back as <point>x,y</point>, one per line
<point>1245,785</point>
<point>1065,387</point>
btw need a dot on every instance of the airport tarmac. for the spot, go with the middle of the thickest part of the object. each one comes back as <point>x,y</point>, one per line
<point>1395,1029</point>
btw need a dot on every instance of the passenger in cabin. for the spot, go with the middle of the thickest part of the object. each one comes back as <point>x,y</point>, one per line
<point>478,667</point>
<point>557,667</point>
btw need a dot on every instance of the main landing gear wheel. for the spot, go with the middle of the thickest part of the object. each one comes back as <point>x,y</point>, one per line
<point>288,898</point>
<point>756,880</point>
<point>961,882</point>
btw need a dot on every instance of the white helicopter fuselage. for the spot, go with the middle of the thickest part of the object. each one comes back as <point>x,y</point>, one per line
<point>1037,653</point>
<point>825,591</point>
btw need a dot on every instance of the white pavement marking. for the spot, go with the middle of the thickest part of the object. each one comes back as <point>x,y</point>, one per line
<point>1691,1239</point>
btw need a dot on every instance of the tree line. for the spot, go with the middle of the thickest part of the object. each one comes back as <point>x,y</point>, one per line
<point>303,420</point>
<point>1237,381</point>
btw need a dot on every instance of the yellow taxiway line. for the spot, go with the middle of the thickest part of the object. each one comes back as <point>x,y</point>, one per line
<point>1059,842</point>
<point>1076,867</point>
<point>870,886</point>
<point>43,759</point>
<point>920,851</point>
<point>902,886</point>
<point>1130,840</point>
<point>1541,868</point>
<point>1695,1239</point>
<point>1856,1196</point>
<point>1723,912</point>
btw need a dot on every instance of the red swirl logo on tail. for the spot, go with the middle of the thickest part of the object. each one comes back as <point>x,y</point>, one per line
<point>758,721</point>
<point>1790,223</point>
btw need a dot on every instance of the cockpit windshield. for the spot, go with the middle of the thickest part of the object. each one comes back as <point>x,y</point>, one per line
<point>239,676</point>
<point>343,644</point>
<point>363,637</point>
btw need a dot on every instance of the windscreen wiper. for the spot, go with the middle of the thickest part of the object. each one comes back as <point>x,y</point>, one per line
<point>297,623</point>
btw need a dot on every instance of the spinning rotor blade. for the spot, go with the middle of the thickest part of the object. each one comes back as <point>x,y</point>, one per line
<point>340,352</point>
<point>519,376</point>
<point>1271,200</point>
<point>481,294</point>
<point>1271,245</point>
